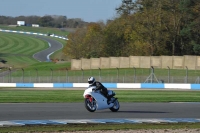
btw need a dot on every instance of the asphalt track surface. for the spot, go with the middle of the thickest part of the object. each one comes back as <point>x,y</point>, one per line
<point>41,111</point>
<point>54,46</point>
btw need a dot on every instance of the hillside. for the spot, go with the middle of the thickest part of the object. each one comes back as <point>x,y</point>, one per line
<point>14,51</point>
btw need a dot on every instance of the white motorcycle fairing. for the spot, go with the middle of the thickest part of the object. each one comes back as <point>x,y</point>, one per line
<point>100,99</point>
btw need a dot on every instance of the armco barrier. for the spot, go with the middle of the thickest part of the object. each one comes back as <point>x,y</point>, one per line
<point>32,33</point>
<point>107,85</point>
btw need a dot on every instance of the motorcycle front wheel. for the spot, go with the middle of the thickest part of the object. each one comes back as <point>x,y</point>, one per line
<point>90,106</point>
<point>115,107</point>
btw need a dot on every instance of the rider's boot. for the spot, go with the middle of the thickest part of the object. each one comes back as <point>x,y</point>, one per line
<point>111,100</point>
<point>108,100</point>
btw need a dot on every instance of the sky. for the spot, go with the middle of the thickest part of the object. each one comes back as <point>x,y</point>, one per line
<point>87,10</point>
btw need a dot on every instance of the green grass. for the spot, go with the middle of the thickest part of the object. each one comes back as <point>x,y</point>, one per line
<point>62,96</point>
<point>103,127</point>
<point>158,96</point>
<point>41,66</point>
<point>18,49</point>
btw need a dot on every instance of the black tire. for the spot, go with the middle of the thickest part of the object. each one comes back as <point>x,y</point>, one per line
<point>90,106</point>
<point>115,107</point>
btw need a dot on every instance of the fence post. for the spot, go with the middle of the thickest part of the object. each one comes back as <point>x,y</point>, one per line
<point>36,75</point>
<point>66,75</point>
<point>198,80</point>
<point>22,75</point>
<point>152,72</point>
<point>9,75</point>
<point>51,75</point>
<point>82,74</point>
<point>186,74</point>
<point>168,74</point>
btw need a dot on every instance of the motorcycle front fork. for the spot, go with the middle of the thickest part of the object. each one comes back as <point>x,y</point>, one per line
<point>91,99</point>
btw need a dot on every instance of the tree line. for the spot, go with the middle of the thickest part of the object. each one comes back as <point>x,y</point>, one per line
<point>56,21</point>
<point>142,28</point>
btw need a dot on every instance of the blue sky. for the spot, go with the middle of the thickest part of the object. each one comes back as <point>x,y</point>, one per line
<point>87,10</point>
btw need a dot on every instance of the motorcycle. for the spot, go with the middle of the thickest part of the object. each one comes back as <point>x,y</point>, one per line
<point>94,100</point>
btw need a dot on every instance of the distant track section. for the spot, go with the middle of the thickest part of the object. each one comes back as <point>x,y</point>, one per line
<point>45,54</point>
<point>53,46</point>
<point>32,33</point>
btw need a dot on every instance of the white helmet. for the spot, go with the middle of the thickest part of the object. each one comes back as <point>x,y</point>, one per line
<point>91,80</point>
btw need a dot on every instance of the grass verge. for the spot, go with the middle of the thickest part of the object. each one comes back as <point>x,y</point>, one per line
<point>17,50</point>
<point>62,96</point>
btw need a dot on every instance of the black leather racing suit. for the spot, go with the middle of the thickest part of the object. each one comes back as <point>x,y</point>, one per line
<point>102,89</point>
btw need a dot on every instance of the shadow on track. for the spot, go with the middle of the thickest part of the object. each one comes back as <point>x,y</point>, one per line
<point>146,112</point>
<point>141,112</point>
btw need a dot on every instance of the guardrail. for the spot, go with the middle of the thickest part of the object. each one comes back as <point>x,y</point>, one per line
<point>33,33</point>
<point>107,85</point>
<point>103,75</point>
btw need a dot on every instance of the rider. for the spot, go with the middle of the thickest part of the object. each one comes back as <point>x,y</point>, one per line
<point>99,86</point>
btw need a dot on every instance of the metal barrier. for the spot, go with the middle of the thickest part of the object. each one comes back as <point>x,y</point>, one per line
<point>118,75</point>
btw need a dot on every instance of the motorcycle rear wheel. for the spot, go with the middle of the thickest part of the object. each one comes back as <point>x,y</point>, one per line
<point>90,106</point>
<point>115,107</point>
